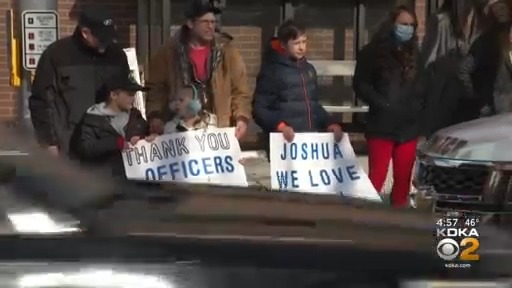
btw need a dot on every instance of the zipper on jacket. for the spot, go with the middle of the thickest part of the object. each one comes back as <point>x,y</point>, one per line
<point>306,96</point>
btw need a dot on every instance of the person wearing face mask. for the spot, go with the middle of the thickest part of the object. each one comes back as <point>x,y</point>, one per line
<point>70,75</point>
<point>486,70</point>
<point>385,80</point>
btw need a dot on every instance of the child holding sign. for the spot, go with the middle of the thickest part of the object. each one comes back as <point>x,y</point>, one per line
<point>286,98</point>
<point>189,113</point>
<point>109,127</point>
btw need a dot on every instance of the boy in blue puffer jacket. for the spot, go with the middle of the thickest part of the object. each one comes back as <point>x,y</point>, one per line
<point>286,96</point>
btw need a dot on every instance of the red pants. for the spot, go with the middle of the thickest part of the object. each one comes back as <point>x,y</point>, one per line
<point>380,153</point>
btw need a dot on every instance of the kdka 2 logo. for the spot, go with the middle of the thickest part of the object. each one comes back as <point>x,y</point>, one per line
<point>450,249</point>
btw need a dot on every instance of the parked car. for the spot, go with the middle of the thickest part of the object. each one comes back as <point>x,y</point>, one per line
<point>468,167</point>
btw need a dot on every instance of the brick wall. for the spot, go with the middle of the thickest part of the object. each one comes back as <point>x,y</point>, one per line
<point>248,37</point>
<point>125,13</point>
<point>248,40</point>
<point>421,13</point>
<point>7,94</point>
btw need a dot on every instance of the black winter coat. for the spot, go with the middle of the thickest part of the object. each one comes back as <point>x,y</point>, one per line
<point>287,91</point>
<point>478,72</point>
<point>395,105</point>
<point>96,144</point>
<point>445,104</point>
<point>69,79</point>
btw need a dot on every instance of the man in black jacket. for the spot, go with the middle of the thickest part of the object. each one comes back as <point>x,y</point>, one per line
<point>69,76</point>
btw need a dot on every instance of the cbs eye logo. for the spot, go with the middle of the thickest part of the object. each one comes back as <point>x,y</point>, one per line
<point>448,249</point>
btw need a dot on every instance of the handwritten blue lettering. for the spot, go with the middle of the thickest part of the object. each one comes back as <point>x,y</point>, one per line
<point>287,179</point>
<point>160,171</point>
<point>150,174</point>
<point>326,179</point>
<point>207,166</point>
<point>192,168</point>
<point>338,175</point>
<point>311,151</point>
<point>311,181</point>
<point>353,174</point>
<point>157,151</point>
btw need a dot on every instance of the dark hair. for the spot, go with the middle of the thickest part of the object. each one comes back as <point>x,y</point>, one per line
<point>458,11</point>
<point>500,12</point>
<point>388,49</point>
<point>290,30</point>
<point>501,22</point>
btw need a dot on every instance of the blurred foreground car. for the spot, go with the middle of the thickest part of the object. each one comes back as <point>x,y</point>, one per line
<point>63,227</point>
<point>468,167</point>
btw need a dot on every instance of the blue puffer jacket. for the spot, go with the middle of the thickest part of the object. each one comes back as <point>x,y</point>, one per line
<point>286,92</point>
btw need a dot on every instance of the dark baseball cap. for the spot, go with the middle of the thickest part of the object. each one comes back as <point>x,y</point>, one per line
<point>101,24</point>
<point>197,8</point>
<point>125,83</point>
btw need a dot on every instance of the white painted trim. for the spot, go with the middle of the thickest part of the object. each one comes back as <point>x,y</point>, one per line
<point>334,67</point>
<point>342,109</point>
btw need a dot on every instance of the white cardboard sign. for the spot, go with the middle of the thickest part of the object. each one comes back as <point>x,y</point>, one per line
<point>203,156</point>
<point>315,163</point>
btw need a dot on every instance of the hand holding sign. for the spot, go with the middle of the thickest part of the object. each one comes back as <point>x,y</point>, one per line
<point>151,138</point>
<point>315,163</point>
<point>288,132</point>
<point>241,129</point>
<point>337,131</point>
<point>134,140</point>
<point>156,126</point>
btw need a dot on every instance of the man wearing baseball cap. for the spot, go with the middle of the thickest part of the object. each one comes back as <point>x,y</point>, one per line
<point>197,54</point>
<point>98,28</point>
<point>69,77</point>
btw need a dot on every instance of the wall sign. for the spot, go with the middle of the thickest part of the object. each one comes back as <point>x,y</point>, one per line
<point>40,28</point>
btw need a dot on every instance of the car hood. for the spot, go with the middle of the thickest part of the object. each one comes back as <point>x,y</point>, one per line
<point>23,216</point>
<point>482,140</point>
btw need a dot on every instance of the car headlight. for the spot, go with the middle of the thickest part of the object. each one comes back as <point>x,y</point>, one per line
<point>40,222</point>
